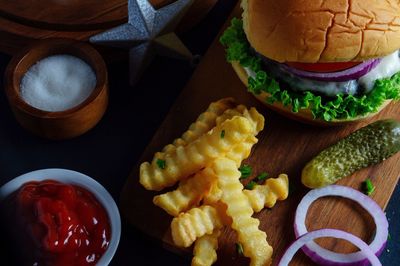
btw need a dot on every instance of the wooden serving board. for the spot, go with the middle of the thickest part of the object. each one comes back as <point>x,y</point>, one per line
<point>22,22</point>
<point>285,146</point>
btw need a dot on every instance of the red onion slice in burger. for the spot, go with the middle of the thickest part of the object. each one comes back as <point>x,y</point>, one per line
<point>348,74</point>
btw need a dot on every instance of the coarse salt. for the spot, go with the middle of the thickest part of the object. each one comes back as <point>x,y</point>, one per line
<point>58,83</point>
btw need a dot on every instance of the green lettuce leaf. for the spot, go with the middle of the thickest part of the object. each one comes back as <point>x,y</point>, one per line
<point>341,107</point>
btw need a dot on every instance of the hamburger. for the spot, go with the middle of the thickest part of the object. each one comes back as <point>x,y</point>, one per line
<point>322,62</point>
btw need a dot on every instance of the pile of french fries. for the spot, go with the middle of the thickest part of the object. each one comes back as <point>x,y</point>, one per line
<point>210,195</point>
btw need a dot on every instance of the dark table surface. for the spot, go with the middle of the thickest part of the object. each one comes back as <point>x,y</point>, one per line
<point>109,151</point>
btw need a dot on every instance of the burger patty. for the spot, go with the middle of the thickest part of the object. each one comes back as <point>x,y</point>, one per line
<point>388,66</point>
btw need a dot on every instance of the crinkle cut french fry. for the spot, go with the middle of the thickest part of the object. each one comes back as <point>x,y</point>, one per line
<point>207,120</point>
<point>267,194</point>
<point>187,160</point>
<point>204,123</point>
<point>188,194</point>
<point>191,191</point>
<point>252,114</point>
<point>256,118</point>
<point>195,223</point>
<point>221,209</point>
<point>242,150</point>
<point>237,154</point>
<point>205,249</point>
<point>253,240</point>
<point>230,113</point>
<point>213,198</point>
<point>214,194</point>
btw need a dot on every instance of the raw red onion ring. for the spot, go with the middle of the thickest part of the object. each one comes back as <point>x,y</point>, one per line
<point>327,257</point>
<point>348,74</point>
<point>306,238</point>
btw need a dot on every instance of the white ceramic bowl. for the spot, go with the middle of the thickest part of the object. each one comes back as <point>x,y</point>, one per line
<point>79,179</point>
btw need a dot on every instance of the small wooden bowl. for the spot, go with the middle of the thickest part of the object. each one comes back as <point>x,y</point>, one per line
<point>65,124</point>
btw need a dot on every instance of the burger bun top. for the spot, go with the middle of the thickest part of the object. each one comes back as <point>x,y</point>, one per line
<point>311,31</point>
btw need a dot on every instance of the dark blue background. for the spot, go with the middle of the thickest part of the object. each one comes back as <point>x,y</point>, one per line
<point>109,151</point>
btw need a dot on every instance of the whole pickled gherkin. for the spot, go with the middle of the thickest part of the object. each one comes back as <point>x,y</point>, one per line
<point>367,146</point>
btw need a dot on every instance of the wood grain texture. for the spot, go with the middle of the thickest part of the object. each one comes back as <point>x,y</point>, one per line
<point>63,14</point>
<point>21,21</point>
<point>285,146</point>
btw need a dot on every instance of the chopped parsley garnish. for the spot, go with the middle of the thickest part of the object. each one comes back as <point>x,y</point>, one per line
<point>246,171</point>
<point>223,134</point>
<point>250,185</point>
<point>367,187</point>
<point>161,163</point>
<point>262,176</point>
<point>239,249</point>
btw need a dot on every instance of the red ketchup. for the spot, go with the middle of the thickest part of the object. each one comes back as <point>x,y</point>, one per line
<point>65,224</point>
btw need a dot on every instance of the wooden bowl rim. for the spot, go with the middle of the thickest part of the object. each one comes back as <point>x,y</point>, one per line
<point>63,44</point>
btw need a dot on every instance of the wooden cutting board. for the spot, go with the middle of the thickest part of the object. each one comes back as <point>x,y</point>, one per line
<point>22,22</point>
<point>284,146</point>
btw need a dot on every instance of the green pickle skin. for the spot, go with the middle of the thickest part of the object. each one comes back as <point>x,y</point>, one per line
<point>367,146</point>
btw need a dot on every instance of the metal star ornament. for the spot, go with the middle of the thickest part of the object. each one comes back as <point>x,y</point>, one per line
<point>148,33</point>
